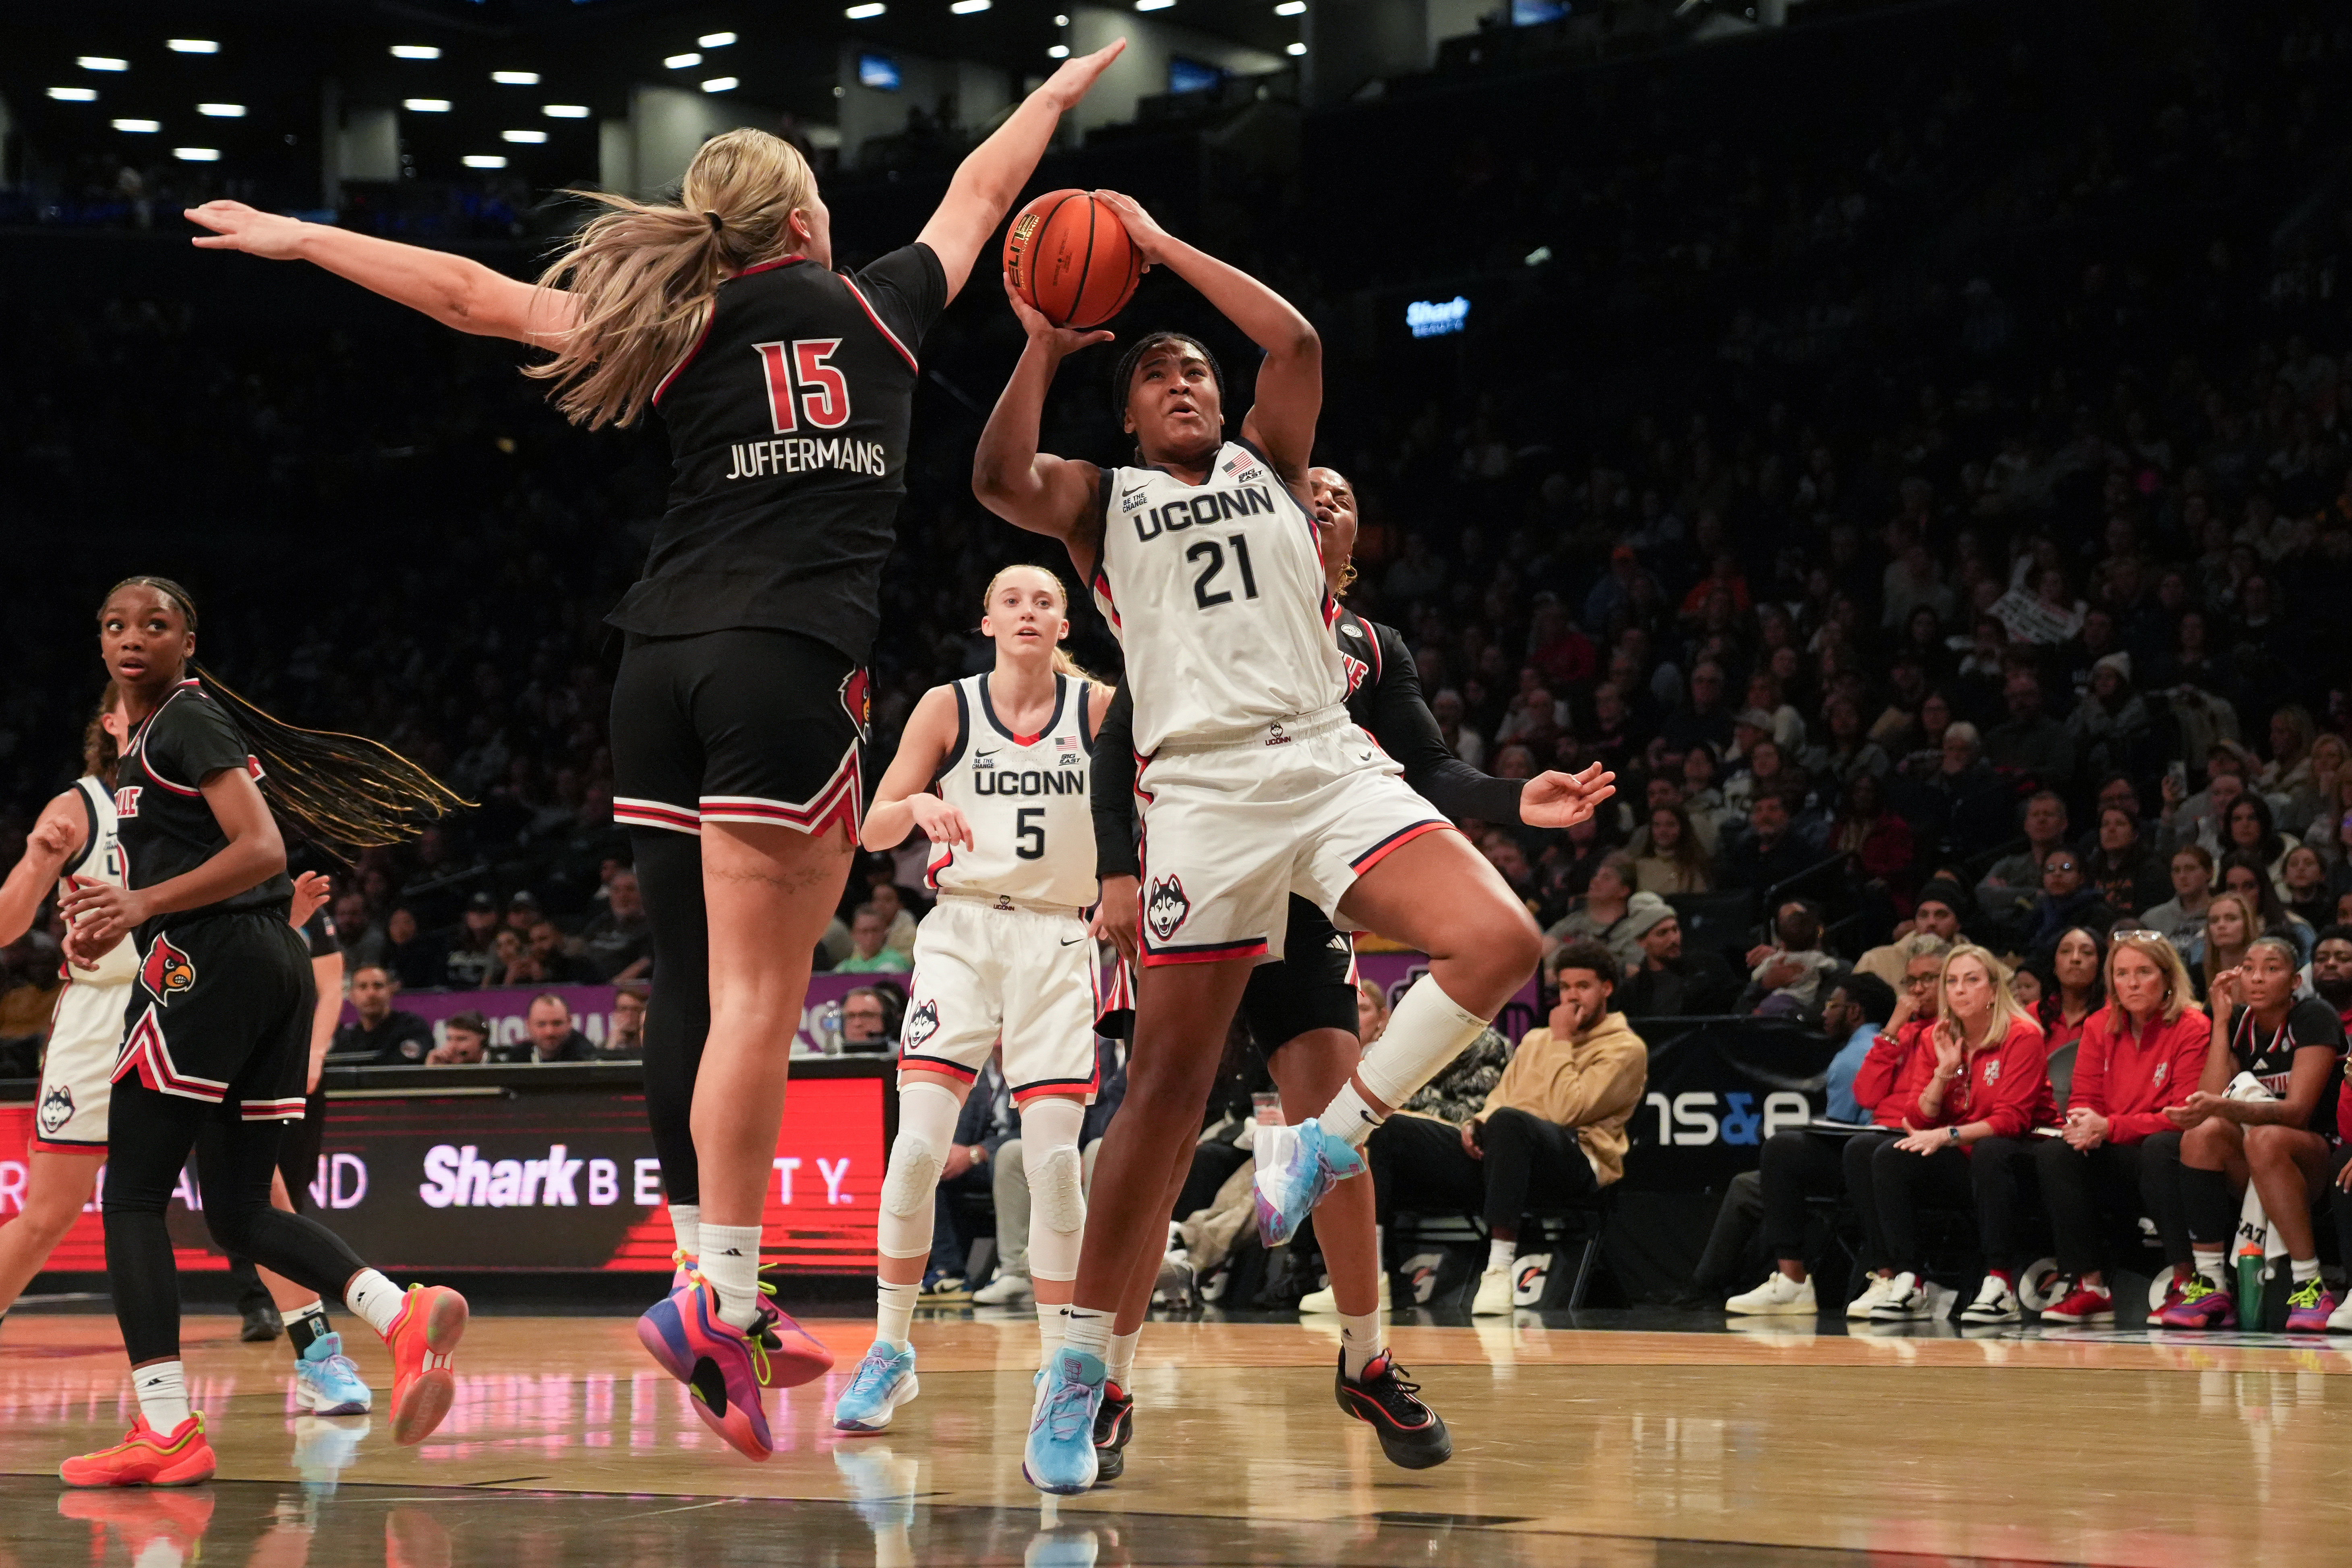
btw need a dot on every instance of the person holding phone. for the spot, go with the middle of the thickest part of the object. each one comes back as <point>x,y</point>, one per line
<point>1552,1131</point>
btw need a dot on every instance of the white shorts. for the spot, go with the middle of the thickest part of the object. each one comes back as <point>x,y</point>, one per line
<point>78,1069</point>
<point>1231,831</point>
<point>989,972</point>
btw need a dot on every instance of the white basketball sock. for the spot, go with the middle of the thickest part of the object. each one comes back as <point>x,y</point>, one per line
<point>2214,1264</point>
<point>686,1227</point>
<point>1499,1254</point>
<point>1049,1330</point>
<point>730,1259</point>
<point>162,1396</point>
<point>1359,1341</point>
<point>1084,1329</point>
<point>1425,1033</point>
<point>374,1300</point>
<point>1120,1362</point>
<point>894,1312</point>
<point>2305,1270</point>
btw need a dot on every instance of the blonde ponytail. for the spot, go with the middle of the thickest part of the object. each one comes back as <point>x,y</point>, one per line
<point>644,276</point>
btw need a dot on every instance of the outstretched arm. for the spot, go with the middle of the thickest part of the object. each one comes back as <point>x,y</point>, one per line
<point>451,289</point>
<point>1290,378</point>
<point>989,179</point>
<point>1028,489</point>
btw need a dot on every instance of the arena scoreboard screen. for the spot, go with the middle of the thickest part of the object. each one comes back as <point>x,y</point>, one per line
<point>560,1180</point>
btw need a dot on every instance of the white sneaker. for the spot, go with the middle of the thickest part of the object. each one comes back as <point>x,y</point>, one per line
<point>1495,1291</point>
<point>1906,1300</point>
<point>1859,1308</point>
<point>1777,1296</point>
<point>1996,1302</point>
<point>1324,1301</point>
<point>2340,1320</point>
<point>1007,1290</point>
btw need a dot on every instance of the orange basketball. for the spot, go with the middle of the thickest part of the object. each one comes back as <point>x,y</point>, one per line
<point>1070,258</point>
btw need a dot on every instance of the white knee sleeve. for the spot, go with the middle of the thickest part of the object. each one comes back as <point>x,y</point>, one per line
<point>1057,1199</point>
<point>927,1120</point>
<point>1425,1033</point>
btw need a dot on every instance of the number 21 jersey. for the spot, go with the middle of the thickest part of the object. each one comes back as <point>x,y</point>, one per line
<point>1216,592</point>
<point>1027,798</point>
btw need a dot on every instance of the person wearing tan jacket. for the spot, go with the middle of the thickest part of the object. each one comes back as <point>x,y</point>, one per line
<point>1552,1131</point>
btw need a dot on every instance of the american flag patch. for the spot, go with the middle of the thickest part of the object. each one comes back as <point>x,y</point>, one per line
<point>1065,742</point>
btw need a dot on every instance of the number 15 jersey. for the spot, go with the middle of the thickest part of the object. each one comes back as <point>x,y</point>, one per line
<point>1027,798</point>
<point>1216,592</point>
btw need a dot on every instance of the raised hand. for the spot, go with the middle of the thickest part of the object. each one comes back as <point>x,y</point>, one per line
<point>237,227</point>
<point>311,889</point>
<point>1142,228</point>
<point>1557,800</point>
<point>1071,79</point>
<point>1062,341</point>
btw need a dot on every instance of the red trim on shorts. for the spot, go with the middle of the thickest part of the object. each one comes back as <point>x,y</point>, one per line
<point>842,800</point>
<point>1394,843</point>
<point>52,1147</point>
<point>635,813</point>
<point>144,1052</point>
<point>1207,953</point>
<point>1090,1084</point>
<point>938,1064</point>
<point>288,1110</point>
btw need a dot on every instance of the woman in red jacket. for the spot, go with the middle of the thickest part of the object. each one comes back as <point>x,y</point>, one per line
<point>1986,1082</point>
<point>2139,1056</point>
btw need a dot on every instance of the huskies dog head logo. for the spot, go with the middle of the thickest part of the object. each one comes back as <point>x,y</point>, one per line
<point>922,1023</point>
<point>168,972</point>
<point>1165,910</point>
<point>56,1109</point>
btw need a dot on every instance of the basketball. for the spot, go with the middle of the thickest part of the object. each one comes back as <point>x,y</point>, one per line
<point>1070,258</point>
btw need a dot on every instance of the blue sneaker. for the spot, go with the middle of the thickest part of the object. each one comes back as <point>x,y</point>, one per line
<point>884,1381</point>
<point>326,1384</point>
<point>1060,1454</point>
<point>1284,1196</point>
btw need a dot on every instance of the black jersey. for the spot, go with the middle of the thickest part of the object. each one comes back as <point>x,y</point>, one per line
<point>1383,697</point>
<point>2269,1054</point>
<point>166,825</point>
<point>788,448</point>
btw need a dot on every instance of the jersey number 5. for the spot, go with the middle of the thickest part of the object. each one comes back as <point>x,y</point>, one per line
<point>1029,833</point>
<point>1211,551</point>
<point>802,385</point>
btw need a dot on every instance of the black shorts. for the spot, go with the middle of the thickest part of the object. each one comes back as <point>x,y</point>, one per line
<point>741,725</point>
<point>221,1013</point>
<point>1313,985</point>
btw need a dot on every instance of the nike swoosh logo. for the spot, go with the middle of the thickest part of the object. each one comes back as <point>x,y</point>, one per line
<point>1366,757</point>
<point>1072,941</point>
<point>980,754</point>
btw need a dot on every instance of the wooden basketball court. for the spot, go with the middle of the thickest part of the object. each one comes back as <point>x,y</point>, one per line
<point>1622,1445</point>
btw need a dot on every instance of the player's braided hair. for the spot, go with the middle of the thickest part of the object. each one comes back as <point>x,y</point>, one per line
<point>342,791</point>
<point>1122,378</point>
<point>1063,663</point>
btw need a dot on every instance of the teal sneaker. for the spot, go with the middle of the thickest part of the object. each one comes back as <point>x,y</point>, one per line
<point>326,1384</point>
<point>1286,1194</point>
<point>884,1381</point>
<point>1060,1455</point>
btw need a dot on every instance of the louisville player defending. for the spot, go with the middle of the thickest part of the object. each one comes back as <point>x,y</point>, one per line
<point>738,711</point>
<point>1303,1008</point>
<point>994,771</point>
<point>1257,785</point>
<point>217,1025</point>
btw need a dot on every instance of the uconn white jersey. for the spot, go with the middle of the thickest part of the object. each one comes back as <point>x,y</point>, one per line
<point>1216,592</point>
<point>1026,799</point>
<point>101,860</point>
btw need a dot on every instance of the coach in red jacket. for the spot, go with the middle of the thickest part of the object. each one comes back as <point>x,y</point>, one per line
<point>1985,1081</point>
<point>2143,1051</point>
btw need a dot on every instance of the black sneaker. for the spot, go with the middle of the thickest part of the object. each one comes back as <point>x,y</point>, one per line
<point>1114,1424</point>
<point>262,1323</point>
<point>1411,1435</point>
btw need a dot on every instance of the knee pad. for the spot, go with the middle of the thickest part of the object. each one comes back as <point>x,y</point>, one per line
<point>926,1119</point>
<point>914,1163</point>
<point>1057,1192</point>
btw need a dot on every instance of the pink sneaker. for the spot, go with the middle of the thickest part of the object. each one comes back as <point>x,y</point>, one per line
<point>2309,1306</point>
<point>2199,1306</point>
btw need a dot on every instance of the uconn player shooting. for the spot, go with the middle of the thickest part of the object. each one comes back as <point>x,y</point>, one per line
<point>1254,785</point>
<point>994,771</point>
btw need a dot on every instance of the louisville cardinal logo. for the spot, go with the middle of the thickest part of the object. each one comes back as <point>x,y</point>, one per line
<point>858,699</point>
<point>168,972</point>
<point>1165,910</point>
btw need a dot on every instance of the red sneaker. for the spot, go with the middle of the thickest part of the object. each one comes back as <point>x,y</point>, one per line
<point>146,1458</point>
<point>423,1340</point>
<point>2083,1304</point>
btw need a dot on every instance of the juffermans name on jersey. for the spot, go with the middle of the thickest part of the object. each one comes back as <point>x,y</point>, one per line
<point>1208,507</point>
<point>803,455</point>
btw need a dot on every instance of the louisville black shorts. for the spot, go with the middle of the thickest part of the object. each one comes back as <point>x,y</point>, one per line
<point>221,1013</point>
<point>741,725</point>
<point>1313,985</point>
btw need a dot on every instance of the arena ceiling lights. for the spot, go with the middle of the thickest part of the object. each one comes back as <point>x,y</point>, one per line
<point>686,61</point>
<point>221,111</point>
<point>102,63</point>
<point>192,46</point>
<point>415,51</point>
<point>974,7</point>
<point>721,84</point>
<point>515,78</point>
<point>73,94</point>
<point>425,105</point>
<point>529,137</point>
<point>715,40</point>
<point>139,127</point>
<point>866,13</point>
<point>564,111</point>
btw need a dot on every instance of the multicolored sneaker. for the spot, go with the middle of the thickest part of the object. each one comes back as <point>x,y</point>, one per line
<point>2202,1305</point>
<point>2083,1304</point>
<point>146,1457</point>
<point>2309,1306</point>
<point>1314,1164</point>
<point>326,1384</point>
<point>681,1270</point>
<point>724,1367</point>
<point>885,1380</point>
<point>1411,1435</point>
<point>1114,1424</point>
<point>794,1355</point>
<point>1059,1456</point>
<point>423,1341</point>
